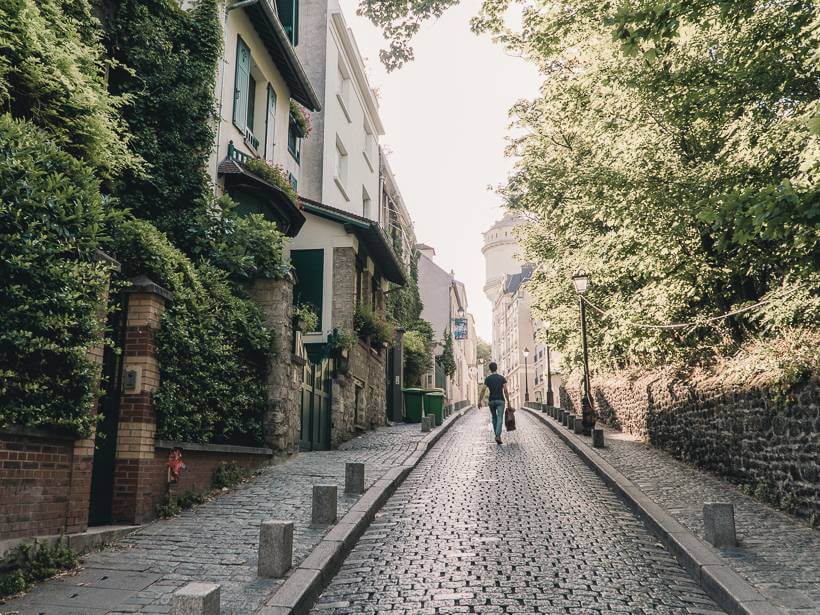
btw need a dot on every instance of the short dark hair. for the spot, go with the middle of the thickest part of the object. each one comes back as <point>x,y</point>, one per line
<point>493,366</point>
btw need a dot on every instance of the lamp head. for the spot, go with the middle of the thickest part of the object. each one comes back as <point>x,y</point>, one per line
<point>460,312</point>
<point>580,280</point>
<point>526,352</point>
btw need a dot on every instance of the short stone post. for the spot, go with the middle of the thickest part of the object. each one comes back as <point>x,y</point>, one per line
<point>597,437</point>
<point>354,477</point>
<point>570,424</point>
<point>324,505</point>
<point>428,422</point>
<point>275,549</point>
<point>578,425</point>
<point>196,599</point>
<point>719,524</point>
<point>564,418</point>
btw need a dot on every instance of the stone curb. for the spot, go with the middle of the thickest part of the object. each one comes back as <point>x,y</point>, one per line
<point>725,586</point>
<point>307,580</point>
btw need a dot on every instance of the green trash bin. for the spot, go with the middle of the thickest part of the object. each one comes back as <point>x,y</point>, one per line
<point>434,404</point>
<point>413,404</point>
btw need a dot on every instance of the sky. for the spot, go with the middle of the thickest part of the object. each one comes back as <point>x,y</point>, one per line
<point>445,118</point>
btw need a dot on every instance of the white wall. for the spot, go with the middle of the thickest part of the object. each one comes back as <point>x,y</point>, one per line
<point>264,71</point>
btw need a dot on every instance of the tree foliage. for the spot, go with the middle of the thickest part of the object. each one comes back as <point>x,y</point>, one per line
<point>673,154</point>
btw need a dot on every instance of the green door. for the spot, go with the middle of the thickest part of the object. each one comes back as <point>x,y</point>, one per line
<point>314,432</point>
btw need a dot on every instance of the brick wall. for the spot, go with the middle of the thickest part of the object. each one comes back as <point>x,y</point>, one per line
<point>748,431</point>
<point>35,480</point>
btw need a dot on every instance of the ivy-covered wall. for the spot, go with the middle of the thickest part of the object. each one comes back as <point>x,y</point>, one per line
<point>117,161</point>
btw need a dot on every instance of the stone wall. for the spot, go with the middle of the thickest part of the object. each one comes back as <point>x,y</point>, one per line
<point>748,431</point>
<point>367,366</point>
<point>281,420</point>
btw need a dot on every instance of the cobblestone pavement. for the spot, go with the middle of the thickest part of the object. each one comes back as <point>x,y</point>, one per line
<point>521,528</point>
<point>776,553</point>
<point>217,541</point>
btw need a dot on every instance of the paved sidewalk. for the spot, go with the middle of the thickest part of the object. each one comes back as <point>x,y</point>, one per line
<point>217,541</point>
<point>777,554</point>
<point>525,527</point>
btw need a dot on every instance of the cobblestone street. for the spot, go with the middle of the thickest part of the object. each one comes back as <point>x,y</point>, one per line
<point>217,541</point>
<point>521,528</point>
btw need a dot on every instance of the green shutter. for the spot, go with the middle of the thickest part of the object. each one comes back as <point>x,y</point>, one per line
<point>309,265</point>
<point>270,123</point>
<point>288,11</point>
<point>251,100</point>
<point>241,84</point>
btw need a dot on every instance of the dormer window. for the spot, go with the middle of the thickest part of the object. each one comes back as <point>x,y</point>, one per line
<point>289,17</point>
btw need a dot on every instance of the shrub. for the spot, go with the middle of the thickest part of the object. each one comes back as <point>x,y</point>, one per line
<point>37,562</point>
<point>307,314</point>
<point>370,324</point>
<point>418,359</point>
<point>341,339</point>
<point>51,213</point>
<point>273,174</point>
<point>212,347</point>
<point>301,117</point>
<point>228,474</point>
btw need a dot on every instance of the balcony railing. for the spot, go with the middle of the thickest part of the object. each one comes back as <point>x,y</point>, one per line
<point>237,155</point>
<point>251,140</point>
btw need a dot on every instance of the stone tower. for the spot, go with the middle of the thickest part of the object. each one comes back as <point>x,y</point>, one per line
<point>501,252</point>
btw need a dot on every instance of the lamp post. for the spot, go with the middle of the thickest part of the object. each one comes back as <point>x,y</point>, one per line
<point>526,380</point>
<point>580,280</point>
<point>550,399</point>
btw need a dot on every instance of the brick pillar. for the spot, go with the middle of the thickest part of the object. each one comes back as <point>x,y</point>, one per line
<point>82,459</point>
<point>137,426</point>
<point>284,380</point>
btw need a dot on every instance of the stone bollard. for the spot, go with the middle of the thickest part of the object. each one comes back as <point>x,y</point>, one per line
<point>579,425</point>
<point>570,422</point>
<point>196,599</point>
<point>564,418</point>
<point>597,437</point>
<point>275,549</point>
<point>719,524</point>
<point>324,505</point>
<point>428,422</point>
<point>354,478</point>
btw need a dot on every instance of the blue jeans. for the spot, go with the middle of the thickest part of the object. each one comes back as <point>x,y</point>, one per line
<point>497,411</point>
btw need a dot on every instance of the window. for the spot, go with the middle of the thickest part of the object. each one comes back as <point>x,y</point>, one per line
<point>340,169</point>
<point>294,141</point>
<point>343,87</point>
<point>369,147</point>
<point>308,267</point>
<point>289,18</point>
<point>365,203</point>
<point>374,289</point>
<point>241,82</point>
<point>270,124</point>
<point>244,94</point>
<point>359,280</point>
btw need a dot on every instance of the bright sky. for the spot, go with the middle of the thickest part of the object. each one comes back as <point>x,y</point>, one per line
<point>445,116</point>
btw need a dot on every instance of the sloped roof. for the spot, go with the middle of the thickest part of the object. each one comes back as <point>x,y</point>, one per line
<point>368,232</point>
<point>514,281</point>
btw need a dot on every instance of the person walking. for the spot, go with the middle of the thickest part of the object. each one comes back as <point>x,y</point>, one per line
<point>496,384</point>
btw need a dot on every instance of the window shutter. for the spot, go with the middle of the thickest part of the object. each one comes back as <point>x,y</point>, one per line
<point>241,84</point>
<point>270,124</point>
<point>251,100</point>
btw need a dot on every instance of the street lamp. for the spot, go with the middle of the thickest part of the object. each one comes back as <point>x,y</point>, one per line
<point>550,399</point>
<point>526,380</point>
<point>580,280</point>
<point>460,312</point>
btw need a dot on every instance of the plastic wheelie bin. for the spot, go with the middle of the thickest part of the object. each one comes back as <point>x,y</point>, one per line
<point>434,404</point>
<point>413,404</point>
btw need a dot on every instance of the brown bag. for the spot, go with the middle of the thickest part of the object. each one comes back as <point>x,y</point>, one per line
<point>509,419</point>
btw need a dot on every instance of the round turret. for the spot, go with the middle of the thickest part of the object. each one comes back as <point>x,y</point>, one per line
<point>500,252</point>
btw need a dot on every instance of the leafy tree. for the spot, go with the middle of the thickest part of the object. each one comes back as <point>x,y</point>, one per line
<point>673,154</point>
<point>447,358</point>
<point>484,351</point>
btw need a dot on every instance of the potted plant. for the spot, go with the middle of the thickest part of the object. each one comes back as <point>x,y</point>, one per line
<point>307,320</point>
<point>339,344</point>
<point>373,327</point>
<point>301,119</point>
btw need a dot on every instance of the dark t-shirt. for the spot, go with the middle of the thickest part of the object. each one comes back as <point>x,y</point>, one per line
<point>495,383</point>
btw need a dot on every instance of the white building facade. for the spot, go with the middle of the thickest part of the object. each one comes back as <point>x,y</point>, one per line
<point>517,344</point>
